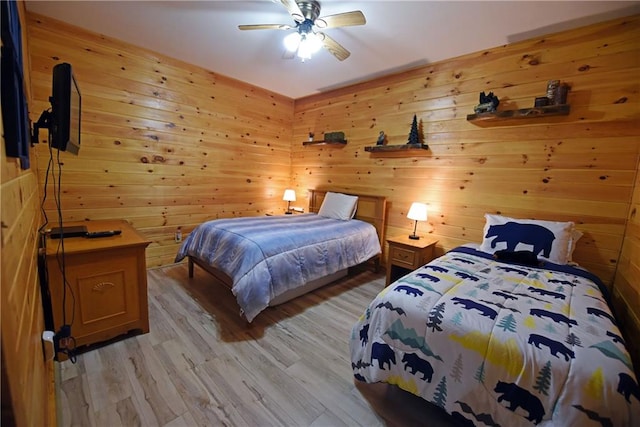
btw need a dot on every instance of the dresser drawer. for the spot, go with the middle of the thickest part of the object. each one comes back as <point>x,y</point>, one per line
<point>402,256</point>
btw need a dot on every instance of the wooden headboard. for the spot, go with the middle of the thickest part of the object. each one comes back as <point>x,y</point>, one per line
<point>371,209</point>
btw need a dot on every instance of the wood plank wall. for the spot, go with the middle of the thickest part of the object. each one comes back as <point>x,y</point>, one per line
<point>580,167</point>
<point>583,167</point>
<point>626,290</point>
<point>27,380</point>
<point>164,144</point>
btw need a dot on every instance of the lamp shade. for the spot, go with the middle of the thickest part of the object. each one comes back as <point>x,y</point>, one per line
<point>292,41</point>
<point>309,44</point>
<point>418,212</point>
<point>313,41</point>
<point>289,195</point>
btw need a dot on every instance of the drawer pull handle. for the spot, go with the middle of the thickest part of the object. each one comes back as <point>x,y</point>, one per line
<point>101,287</point>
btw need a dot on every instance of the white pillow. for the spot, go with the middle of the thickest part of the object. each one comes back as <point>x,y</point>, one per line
<point>575,236</point>
<point>338,206</point>
<point>549,240</point>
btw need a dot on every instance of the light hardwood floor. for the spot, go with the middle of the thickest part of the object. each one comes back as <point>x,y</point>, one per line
<point>202,365</point>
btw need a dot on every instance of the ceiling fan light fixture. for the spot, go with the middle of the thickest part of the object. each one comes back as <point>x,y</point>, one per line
<point>309,44</point>
<point>292,41</point>
<point>313,41</point>
<point>305,41</point>
<point>304,51</point>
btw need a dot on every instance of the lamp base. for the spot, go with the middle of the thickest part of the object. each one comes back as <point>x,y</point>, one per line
<point>288,213</point>
<point>414,237</point>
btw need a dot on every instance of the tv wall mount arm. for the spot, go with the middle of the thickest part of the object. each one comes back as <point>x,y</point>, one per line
<point>43,122</point>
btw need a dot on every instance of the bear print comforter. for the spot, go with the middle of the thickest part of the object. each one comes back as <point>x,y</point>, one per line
<point>500,344</point>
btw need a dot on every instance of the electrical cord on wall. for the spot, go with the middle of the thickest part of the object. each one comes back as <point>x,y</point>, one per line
<point>64,342</point>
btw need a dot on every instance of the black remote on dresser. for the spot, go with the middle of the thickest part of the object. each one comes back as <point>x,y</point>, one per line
<point>93,234</point>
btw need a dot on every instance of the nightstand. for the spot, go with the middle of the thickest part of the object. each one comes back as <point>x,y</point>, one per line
<point>406,255</point>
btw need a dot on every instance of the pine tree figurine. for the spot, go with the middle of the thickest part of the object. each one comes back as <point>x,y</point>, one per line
<point>414,135</point>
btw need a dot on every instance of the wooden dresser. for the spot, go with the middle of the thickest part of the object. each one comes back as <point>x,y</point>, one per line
<point>106,292</point>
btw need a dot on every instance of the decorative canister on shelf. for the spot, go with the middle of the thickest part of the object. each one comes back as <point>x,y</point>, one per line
<point>541,101</point>
<point>561,94</point>
<point>552,87</point>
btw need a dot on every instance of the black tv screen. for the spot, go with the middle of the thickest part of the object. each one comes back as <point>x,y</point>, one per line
<point>65,110</point>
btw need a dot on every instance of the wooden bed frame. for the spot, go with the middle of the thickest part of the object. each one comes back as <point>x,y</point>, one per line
<point>371,209</point>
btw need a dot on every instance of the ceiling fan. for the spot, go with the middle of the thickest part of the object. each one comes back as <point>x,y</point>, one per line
<point>307,39</point>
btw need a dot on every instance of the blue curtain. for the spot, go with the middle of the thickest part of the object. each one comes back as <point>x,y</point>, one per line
<point>15,115</point>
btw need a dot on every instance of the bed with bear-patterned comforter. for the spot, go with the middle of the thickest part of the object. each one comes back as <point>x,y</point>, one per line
<point>500,344</point>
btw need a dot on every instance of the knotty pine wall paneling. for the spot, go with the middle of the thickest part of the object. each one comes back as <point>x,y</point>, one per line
<point>626,289</point>
<point>165,144</point>
<point>580,167</point>
<point>28,396</point>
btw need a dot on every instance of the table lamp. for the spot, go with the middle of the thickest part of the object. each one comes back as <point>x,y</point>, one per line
<point>289,196</point>
<point>417,212</point>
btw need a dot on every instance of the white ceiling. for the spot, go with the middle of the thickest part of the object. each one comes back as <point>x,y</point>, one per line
<point>398,34</point>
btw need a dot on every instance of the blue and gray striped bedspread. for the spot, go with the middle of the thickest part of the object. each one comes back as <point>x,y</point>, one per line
<point>266,256</point>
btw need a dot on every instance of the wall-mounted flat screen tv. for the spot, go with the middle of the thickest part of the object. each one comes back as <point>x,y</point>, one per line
<point>65,110</point>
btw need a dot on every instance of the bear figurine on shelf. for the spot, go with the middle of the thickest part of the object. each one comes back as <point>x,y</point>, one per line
<point>488,103</point>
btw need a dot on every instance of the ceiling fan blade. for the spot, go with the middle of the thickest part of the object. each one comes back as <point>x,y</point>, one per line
<point>341,20</point>
<point>335,48</point>
<point>265,27</point>
<point>293,9</point>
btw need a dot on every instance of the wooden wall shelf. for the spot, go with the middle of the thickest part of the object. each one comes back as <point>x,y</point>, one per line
<point>340,143</point>
<point>524,113</point>
<point>391,148</point>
